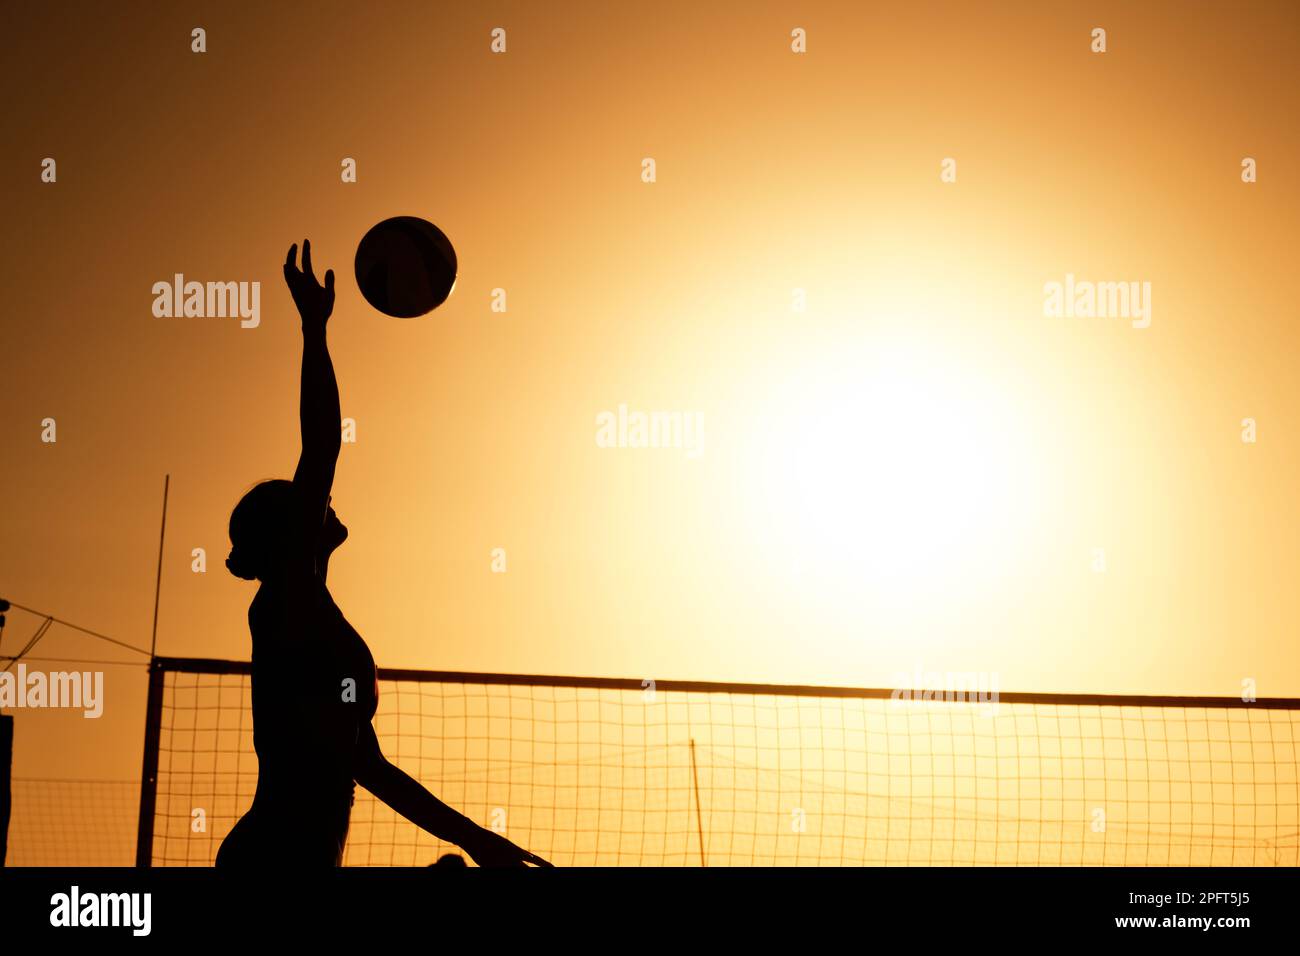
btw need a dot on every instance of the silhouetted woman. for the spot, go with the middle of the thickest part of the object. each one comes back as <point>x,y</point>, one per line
<point>313,737</point>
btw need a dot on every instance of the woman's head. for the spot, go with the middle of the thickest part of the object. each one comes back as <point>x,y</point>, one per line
<point>261,527</point>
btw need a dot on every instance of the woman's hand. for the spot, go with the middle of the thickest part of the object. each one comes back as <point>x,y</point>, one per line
<point>314,301</point>
<point>492,849</point>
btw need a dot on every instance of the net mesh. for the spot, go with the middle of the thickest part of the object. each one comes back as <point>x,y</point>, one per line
<point>73,822</point>
<point>651,777</point>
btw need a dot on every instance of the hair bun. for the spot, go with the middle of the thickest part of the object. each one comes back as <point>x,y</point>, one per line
<point>238,565</point>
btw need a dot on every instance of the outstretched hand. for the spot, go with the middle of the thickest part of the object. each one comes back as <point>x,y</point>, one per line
<point>492,849</point>
<point>314,301</point>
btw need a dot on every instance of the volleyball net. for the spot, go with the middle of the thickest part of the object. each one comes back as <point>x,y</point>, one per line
<point>609,771</point>
<point>73,822</point>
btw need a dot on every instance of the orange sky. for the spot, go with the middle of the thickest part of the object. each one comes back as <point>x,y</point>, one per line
<point>969,452</point>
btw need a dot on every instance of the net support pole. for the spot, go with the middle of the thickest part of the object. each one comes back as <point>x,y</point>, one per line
<point>153,714</point>
<point>699,815</point>
<point>6,794</point>
<point>149,771</point>
<point>157,590</point>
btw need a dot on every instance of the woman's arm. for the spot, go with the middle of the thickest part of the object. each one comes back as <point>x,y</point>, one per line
<point>408,797</point>
<point>405,795</point>
<point>318,407</point>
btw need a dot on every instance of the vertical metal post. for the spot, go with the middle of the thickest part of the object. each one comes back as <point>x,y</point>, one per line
<point>149,771</point>
<point>6,766</point>
<point>699,817</point>
<point>152,716</point>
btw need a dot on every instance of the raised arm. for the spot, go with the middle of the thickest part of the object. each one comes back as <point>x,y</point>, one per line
<point>318,409</point>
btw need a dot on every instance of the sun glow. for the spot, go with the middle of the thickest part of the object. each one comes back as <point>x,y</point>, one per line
<point>901,470</point>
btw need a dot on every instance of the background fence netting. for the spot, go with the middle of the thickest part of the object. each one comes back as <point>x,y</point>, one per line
<point>68,822</point>
<point>608,772</point>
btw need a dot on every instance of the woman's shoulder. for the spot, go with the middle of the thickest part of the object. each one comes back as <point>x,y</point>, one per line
<point>277,600</point>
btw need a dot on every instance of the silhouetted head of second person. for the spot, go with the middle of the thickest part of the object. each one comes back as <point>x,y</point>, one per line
<point>262,526</point>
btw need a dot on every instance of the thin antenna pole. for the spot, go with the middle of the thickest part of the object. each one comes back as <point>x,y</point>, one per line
<point>699,818</point>
<point>157,589</point>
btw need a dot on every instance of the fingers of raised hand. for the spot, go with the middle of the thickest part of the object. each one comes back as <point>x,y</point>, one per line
<point>306,259</point>
<point>290,263</point>
<point>329,280</point>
